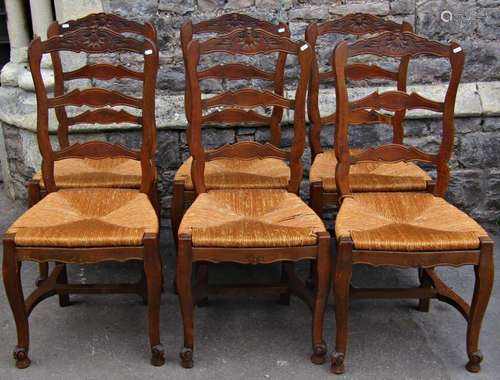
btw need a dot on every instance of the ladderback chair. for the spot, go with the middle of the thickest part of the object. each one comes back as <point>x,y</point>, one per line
<point>108,172</point>
<point>88,225</point>
<point>249,226</point>
<point>230,174</point>
<point>365,176</point>
<point>404,229</point>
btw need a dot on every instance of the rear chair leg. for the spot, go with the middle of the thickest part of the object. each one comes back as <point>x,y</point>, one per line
<point>323,270</point>
<point>424,304</point>
<point>316,203</point>
<point>285,297</point>
<point>342,281</point>
<point>12,281</point>
<point>183,275</point>
<point>63,279</point>
<point>152,269</point>
<point>482,290</point>
<point>176,213</point>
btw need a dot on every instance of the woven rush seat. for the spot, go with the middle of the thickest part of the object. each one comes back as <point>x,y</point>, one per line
<point>250,218</point>
<point>369,176</point>
<point>107,172</point>
<point>87,218</point>
<point>232,173</point>
<point>406,222</point>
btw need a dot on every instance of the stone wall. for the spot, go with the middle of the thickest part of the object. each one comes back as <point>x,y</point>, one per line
<point>475,176</point>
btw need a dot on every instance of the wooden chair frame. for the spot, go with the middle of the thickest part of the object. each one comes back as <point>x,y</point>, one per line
<point>90,40</point>
<point>250,42</point>
<point>357,24</point>
<point>399,45</point>
<point>100,71</point>
<point>182,197</point>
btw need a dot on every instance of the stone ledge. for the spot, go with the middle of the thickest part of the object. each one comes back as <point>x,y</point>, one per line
<point>18,107</point>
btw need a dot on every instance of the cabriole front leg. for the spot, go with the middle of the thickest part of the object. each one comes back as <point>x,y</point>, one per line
<point>11,270</point>
<point>484,273</point>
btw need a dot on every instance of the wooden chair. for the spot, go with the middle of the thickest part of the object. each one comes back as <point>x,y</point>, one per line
<point>249,226</point>
<point>365,176</point>
<point>231,174</point>
<point>109,172</point>
<point>88,225</point>
<point>404,229</point>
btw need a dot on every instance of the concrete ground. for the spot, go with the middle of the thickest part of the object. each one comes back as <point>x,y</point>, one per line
<point>105,337</point>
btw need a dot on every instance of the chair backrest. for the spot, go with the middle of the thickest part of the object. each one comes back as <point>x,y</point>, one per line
<point>226,24</point>
<point>395,45</point>
<point>93,40</point>
<point>356,24</point>
<point>96,20</point>
<point>239,105</point>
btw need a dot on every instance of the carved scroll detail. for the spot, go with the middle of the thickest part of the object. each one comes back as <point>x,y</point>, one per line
<point>231,21</point>
<point>104,20</point>
<point>92,40</point>
<point>358,24</point>
<point>250,42</point>
<point>398,45</point>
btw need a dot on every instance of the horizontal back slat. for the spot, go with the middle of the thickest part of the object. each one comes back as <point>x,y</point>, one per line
<point>92,40</point>
<point>231,21</point>
<point>249,42</point>
<point>358,24</point>
<point>396,100</point>
<point>360,116</point>
<point>247,150</point>
<point>96,97</point>
<point>96,150</point>
<point>235,116</point>
<point>398,45</point>
<point>235,71</point>
<point>248,97</point>
<point>103,71</point>
<point>104,116</point>
<point>393,153</point>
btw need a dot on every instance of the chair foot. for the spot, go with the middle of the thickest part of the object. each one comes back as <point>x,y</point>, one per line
<point>338,363</point>
<point>186,356</point>
<point>474,364</point>
<point>157,355</point>
<point>284,299</point>
<point>21,357</point>
<point>64,300</point>
<point>319,353</point>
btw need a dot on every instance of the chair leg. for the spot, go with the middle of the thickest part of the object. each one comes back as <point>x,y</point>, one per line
<point>202,279</point>
<point>155,201</point>
<point>176,213</point>
<point>482,290</point>
<point>34,196</point>
<point>323,270</point>
<point>285,297</point>
<point>183,276</point>
<point>316,203</point>
<point>63,279</point>
<point>342,281</point>
<point>424,304</point>
<point>13,287</point>
<point>152,269</point>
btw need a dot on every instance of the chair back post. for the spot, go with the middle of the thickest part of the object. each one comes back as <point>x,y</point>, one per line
<point>225,24</point>
<point>246,42</point>
<point>97,40</point>
<point>395,45</point>
<point>357,24</point>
